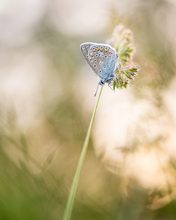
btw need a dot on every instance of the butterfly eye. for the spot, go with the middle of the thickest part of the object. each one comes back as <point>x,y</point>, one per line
<point>94,65</point>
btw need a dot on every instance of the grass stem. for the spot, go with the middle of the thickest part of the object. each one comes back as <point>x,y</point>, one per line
<point>74,186</point>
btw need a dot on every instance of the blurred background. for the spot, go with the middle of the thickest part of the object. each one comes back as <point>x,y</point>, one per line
<point>46,99</point>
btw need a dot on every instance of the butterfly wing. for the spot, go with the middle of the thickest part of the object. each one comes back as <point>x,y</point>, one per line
<point>85,50</point>
<point>108,67</point>
<point>100,57</point>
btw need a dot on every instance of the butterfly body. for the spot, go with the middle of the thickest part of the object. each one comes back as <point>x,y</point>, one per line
<point>102,58</point>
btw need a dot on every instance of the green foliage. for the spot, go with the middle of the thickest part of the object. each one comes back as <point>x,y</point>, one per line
<point>24,195</point>
<point>126,71</point>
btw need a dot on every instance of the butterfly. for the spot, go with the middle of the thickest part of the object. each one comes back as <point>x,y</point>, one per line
<point>102,58</point>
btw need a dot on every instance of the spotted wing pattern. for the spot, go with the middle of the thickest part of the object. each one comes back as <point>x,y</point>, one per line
<point>101,57</point>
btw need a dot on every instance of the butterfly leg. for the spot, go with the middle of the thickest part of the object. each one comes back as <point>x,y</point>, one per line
<point>96,90</point>
<point>101,83</point>
<point>110,84</point>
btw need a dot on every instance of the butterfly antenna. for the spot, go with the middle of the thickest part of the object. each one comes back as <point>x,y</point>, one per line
<point>96,89</point>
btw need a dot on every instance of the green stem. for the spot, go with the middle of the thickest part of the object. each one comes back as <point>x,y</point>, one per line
<point>74,186</point>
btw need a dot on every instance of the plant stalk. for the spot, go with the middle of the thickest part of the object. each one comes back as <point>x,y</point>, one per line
<point>74,186</point>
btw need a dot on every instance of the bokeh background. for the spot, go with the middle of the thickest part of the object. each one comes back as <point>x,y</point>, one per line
<point>46,99</point>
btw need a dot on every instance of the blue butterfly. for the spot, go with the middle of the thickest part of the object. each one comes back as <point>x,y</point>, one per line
<point>102,58</point>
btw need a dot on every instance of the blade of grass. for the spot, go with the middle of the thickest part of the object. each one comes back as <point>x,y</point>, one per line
<point>74,186</point>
